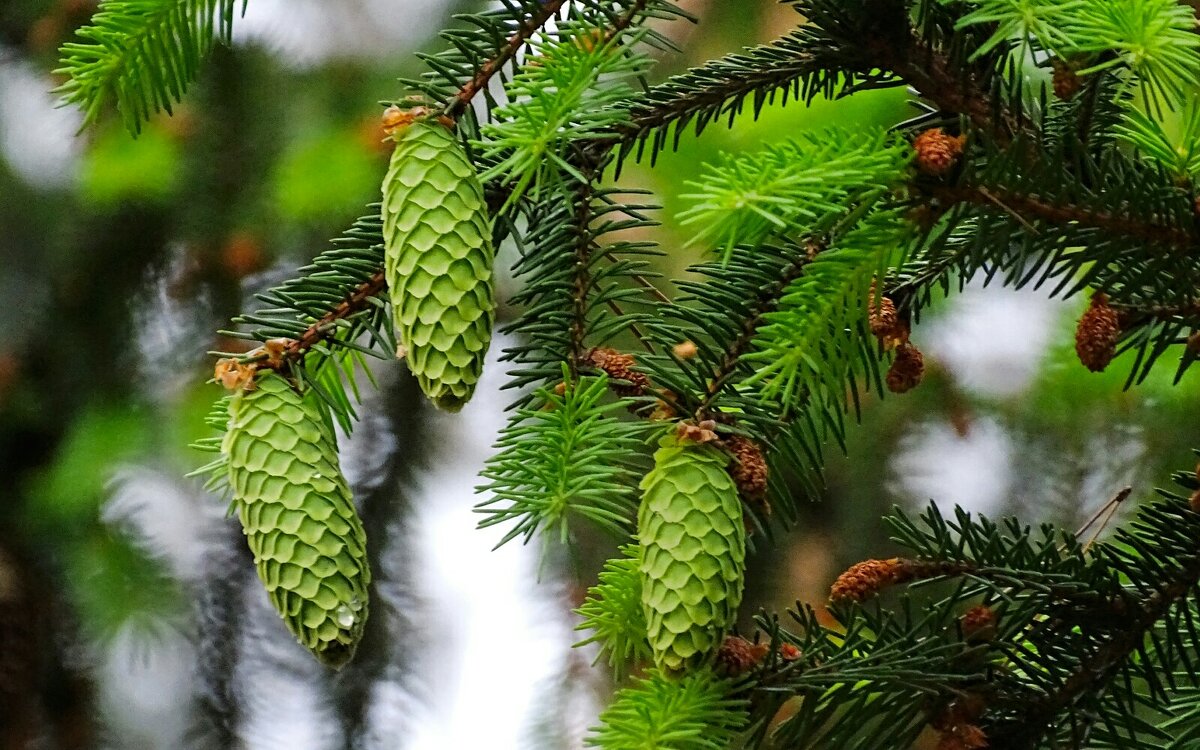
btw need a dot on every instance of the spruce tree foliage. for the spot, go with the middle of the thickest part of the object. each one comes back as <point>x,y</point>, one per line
<point>1055,147</point>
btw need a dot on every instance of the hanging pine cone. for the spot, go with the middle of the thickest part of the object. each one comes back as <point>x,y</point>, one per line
<point>907,369</point>
<point>885,321</point>
<point>937,152</point>
<point>882,314</point>
<point>620,367</point>
<point>438,261</point>
<point>298,517</point>
<point>749,467</point>
<point>693,552</point>
<point>1097,334</point>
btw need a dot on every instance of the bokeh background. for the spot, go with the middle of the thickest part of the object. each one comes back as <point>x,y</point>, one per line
<point>130,616</point>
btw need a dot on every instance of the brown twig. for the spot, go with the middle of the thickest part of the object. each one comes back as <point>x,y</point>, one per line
<point>483,76</point>
<point>354,302</point>
<point>1033,207</point>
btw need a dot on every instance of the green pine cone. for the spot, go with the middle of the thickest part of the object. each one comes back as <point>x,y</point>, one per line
<point>439,259</point>
<point>693,552</point>
<point>297,514</point>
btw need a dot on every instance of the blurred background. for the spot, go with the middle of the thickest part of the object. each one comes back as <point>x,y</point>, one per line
<point>130,615</point>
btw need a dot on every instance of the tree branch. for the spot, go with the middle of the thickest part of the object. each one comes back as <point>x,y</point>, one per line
<point>1098,669</point>
<point>1029,206</point>
<point>462,100</point>
<point>766,301</point>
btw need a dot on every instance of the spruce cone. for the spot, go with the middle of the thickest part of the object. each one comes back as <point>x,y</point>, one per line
<point>438,262</point>
<point>693,552</point>
<point>937,152</point>
<point>749,467</point>
<point>1097,334</point>
<point>295,508</point>
<point>907,369</point>
<point>620,367</point>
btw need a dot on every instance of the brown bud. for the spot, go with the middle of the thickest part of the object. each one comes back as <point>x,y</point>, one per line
<point>1066,82</point>
<point>396,119</point>
<point>788,652</point>
<point>907,369</point>
<point>749,467</point>
<point>697,433</point>
<point>620,366</point>
<point>275,349</point>
<point>979,623</point>
<point>937,152</point>
<point>1097,333</point>
<point>234,375</point>
<point>737,656</point>
<point>686,349</point>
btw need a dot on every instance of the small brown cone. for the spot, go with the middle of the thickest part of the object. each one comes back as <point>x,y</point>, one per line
<point>1066,82</point>
<point>907,369</point>
<point>620,366</point>
<point>1097,334</point>
<point>937,152</point>
<point>749,467</point>
<point>866,579</point>
<point>883,316</point>
<point>737,656</point>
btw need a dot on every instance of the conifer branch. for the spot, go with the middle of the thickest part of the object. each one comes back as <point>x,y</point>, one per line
<point>1030,206</point>
<point>766,301</point>
<point>355,302</point>
<point>483,76</point>
<point>1099,668</point>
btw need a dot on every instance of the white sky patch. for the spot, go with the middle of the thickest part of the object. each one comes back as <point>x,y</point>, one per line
<point>992,339</point>
<point>144,689</point>
<point>305,33</point>
<point>496,637</point>
<point>37,136</point>
<point>934,462</point>
<point>281,689</point>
